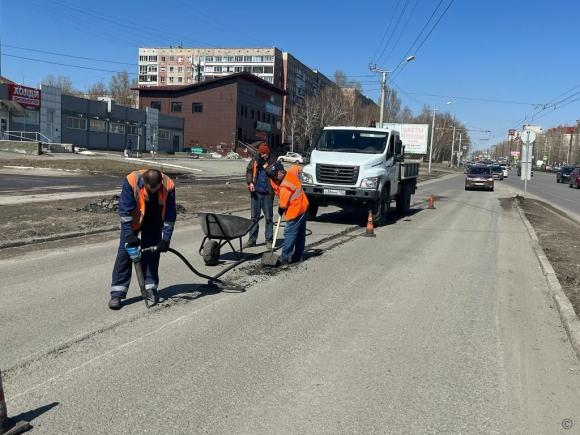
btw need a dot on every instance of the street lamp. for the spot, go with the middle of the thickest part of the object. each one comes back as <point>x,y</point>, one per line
<point>384,73</point>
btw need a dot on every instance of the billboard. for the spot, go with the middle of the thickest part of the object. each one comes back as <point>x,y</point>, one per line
<point>29,98</point>
<point>414,136</point>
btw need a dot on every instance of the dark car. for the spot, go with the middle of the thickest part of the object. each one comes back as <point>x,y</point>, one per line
<point>479,177</point>
<point>575,178</point>
<point>497,172</point>
<point>563,174</point>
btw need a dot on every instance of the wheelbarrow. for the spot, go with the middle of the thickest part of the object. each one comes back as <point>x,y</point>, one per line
<point>221,230</point>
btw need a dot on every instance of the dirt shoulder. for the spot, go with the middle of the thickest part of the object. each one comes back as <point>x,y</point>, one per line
<point>559,237</point>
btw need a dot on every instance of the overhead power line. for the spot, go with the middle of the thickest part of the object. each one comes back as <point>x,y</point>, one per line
<point>65,64</point>
<point>68,55</point>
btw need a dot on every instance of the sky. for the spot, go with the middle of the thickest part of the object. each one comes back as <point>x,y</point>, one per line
<point>493,64</point>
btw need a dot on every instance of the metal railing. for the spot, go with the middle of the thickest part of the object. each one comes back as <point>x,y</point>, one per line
<point>24,135</point>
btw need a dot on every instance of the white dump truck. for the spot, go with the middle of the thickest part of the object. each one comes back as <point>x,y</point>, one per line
<point>360,167</point>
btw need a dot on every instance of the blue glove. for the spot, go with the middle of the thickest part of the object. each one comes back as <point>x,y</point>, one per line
<point>133,251</point>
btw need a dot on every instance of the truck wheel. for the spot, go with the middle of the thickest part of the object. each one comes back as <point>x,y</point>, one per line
<point>312,211</point>
<point>381,209</point>
<point>404,201</point>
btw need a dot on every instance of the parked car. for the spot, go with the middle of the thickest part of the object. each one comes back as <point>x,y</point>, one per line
<point>497,172</point>
<point>563,175</point>
<point>575,178</point>
<point>291,158</point>
<point>505,169</point>
<point>479,177</point>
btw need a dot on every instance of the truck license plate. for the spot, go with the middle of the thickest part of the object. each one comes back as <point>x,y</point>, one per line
<point>334,192</point>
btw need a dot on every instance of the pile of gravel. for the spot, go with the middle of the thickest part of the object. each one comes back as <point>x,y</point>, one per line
<point>111,205</point>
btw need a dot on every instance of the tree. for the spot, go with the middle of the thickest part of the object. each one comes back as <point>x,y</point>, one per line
<point>64,83</point>
<point>97,90</point>
<point>120,88</point>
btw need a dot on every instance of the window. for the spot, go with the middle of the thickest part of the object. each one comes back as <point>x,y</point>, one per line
<point>209,68</point>
<point>268,70</point>
<point>257,58</point>
<point>171,69</point>
<point>179,79</point>
<point>209,58</point>
<point>176,106</point>
<point>239,58</point>
<point>163,69</point>
<point>201,59</point>
<point>391,149</point>
<point>152,58</point>
<point>229,58</point>
<point>238,69</point>
<point>171,79</point>
<point>268,58</point>
<point>75,123</point>
<point>142,69</point>
<point>162,79</point>
<point>217,69</point>
<point>247,58</point>
<point>155,105</point>
<point>196,107</point>
<point>257,69</point>
<point>247,69</point>
<point>142,58</point>
<point>171,58</point>
<point>180,60</point>
<point>180,69</point>
<point>162,58</point>
<point>152,68</point>
<point>98,125</point>
<point>218,58</point>
<point>132,129</point>
<point>117,128</point>
<point>163,133</point>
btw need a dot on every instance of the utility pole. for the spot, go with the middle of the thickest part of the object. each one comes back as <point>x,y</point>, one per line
<point>569,156</point>
<point>384,73</point>
<point>432,136</point>
<point>453,146</point>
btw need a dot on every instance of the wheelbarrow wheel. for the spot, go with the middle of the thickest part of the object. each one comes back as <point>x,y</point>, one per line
<point>211,253</point>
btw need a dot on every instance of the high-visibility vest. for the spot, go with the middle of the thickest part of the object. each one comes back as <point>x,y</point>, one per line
<point>292,197</point>
<point>141,195</point>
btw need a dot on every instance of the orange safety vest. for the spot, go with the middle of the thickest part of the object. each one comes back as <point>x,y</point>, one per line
<point>292,197</point>
<point>135,180</point>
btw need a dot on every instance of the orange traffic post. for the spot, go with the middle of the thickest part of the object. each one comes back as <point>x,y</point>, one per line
<point>431,201</point>
<point>370,231</point>
<point>7,425</point>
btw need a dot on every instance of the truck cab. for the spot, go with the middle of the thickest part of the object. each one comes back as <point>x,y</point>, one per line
<point>359,167</point>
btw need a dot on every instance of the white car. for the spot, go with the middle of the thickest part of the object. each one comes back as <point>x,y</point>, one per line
<point>291,158</point>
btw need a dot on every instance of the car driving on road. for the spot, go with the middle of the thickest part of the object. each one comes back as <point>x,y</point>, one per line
<point>291,158</point>
<point>575,178</point>
<point>563,174</point>
<point>497,172</point>
<point>479,177</point>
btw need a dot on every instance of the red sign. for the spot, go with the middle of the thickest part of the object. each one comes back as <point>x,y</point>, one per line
<point>29,98</point>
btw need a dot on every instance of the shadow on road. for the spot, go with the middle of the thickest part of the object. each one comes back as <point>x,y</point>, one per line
<point>31,415</point>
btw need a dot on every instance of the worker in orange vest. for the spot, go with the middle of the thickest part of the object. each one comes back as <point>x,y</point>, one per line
<point>293,205</point>
<point>146,206</point>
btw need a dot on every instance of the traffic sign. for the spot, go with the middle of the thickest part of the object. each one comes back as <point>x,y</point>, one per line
<point>528,136</point>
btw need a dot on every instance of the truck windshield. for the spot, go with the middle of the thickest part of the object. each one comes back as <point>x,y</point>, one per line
<point>352,141</point>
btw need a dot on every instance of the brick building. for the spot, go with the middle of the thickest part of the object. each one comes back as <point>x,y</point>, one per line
<point>217,113</point>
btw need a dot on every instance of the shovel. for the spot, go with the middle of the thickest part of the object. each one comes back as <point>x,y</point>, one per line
<point>269,258</point>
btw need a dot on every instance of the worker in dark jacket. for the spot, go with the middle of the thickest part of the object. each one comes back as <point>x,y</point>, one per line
<point>146,206</point>
<point>261,194</point>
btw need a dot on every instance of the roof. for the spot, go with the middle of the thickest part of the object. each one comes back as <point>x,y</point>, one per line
<point>5,80</point>
<point>346,127</point>
<point>220,80</point>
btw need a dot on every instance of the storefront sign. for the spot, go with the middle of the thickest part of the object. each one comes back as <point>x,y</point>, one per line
<point>273,109</point>
<point>263,126</point>
<point>29,98</point>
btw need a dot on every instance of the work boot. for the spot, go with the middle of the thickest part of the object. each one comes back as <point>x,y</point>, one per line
<point>115,303</point>
<point>268,245</point>
<point>250,243</point>
<point>152,295</point>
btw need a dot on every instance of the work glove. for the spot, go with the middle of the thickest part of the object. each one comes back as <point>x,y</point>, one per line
<point>163,246</point>
<point>281,211</point>
<point>132,240</point>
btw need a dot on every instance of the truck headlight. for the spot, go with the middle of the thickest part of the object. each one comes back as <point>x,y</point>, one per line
<point>370,183</point>
<point>306,178</point>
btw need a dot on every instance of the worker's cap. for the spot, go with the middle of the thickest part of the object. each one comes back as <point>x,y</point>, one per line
<point>273,170</point>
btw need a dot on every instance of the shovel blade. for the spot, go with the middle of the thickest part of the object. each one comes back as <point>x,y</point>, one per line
<point>270,259</point>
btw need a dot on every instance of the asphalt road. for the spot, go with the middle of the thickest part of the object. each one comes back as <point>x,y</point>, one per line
<point>544,186</point>
<point>23,183</point>
<point>440,324</point>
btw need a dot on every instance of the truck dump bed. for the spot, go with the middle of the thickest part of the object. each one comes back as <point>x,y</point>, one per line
<point>409,169</point>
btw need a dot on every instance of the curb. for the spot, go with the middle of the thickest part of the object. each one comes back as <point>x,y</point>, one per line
<point>568,316</point>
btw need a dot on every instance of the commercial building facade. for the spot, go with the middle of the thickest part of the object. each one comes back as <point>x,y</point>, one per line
<point>220,112</point>
<point>47,115</point>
